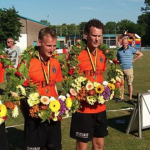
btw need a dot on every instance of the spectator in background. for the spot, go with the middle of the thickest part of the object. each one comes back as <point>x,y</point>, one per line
<point>125,55</point>
<point>13,53</point>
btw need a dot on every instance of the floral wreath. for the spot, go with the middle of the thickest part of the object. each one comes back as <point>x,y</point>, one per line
<point>81,89</point>
<point>21,89</point>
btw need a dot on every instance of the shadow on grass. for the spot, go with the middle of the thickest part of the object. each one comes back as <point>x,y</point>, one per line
<point>119,123</point>
<point>15,139</point>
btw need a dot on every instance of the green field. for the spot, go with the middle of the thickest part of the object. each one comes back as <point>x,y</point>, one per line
<point>117,138</point>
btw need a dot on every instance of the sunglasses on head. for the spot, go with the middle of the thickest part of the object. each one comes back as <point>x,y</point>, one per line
<point>9,41</point>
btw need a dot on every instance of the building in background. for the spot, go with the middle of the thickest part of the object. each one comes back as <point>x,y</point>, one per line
<point>29,32</point>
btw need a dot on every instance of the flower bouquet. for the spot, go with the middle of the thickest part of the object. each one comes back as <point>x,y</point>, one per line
<point>44,107</point>
<point>84,90</point>
<point>3,113</point>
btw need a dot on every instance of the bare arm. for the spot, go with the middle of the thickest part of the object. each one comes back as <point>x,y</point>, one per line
<point>138,56</point>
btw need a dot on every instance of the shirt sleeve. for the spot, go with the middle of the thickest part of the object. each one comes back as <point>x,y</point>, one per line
<point>134,50</point>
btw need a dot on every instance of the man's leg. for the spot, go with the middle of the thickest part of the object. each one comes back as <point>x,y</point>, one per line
<point>98,143</point>
<point>81,145</point>
<point>130,89</point>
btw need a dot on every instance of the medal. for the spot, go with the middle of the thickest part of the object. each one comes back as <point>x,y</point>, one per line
<point>47,90</point>
<point>95,77</point>
<point>93,65</point>
<point>48,68</point>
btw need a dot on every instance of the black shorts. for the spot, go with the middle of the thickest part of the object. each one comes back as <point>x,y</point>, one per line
<point>39,136</point>
<point>86,126</point>
<point>3,138</point>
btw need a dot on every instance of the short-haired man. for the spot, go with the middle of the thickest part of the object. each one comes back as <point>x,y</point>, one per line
<point>126,58</point>
<point>90,122</point>
<point>13,53</point>
<point>45,71</point>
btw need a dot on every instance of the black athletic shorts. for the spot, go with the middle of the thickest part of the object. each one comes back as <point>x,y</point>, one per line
<point>39,136</point>
<point>3,138</point>
<point>86,126</point>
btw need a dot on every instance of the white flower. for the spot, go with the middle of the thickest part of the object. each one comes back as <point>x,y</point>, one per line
<point>118,79</point>
<point>105,83</point>
<point>67,95</point>
<point>89,86</point>
<point>62,97</point>
<point>0,102</point>
<point>52,99</point>
<point>111,61</point>
<point>15,112</point>
<point>91,100</point>
<point>45,100</point>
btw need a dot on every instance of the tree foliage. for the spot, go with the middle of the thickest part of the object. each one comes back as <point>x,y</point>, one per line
<point>10,25</point>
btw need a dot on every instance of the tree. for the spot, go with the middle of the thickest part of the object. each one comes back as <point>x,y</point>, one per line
<point>10,25</point>
<point>45,21</point>
<point>144,21</point>
<point>126,25</point>
<point>110,27</point>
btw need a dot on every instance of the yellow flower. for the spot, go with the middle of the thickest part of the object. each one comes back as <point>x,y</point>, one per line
<point>89,86</point>
<point>68,102</point>
<point>99,89</point>
<point>101,100</point>
<point>111,86</point>
<point>45,100</point>
<point>96,84</point>
<point>54,105</point>
<point>82,79</point>
<point>112,95</point>
<point>33,99</point>
<point>3,110</point>
<point>113,80</point>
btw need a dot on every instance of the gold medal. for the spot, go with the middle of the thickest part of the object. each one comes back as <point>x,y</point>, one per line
<point>93,65</point>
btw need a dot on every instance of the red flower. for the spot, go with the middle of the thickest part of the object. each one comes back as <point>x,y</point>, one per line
<point>5,117</point>
<point>115,61</point>
<point>17,73</point>
<point>71,71</point>
<point>26,83</point>
<point>59,118</point>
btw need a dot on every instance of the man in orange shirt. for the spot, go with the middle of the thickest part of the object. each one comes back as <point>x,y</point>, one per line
<point>90,122</point>
<point>44,71</point>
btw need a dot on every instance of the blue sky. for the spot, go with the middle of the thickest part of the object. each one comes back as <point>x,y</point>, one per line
<point>58,12</point>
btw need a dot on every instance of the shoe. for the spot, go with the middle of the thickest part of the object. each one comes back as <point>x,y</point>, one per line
<point>131,102</point>
<point>119,101</point>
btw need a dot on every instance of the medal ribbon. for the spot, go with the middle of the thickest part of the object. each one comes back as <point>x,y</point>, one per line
<point>93,65</point>
<point>48,68</point>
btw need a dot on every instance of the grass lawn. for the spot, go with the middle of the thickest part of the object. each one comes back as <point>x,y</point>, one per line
<point>117,138</point>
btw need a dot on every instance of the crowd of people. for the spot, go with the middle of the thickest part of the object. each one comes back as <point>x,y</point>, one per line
<point>90,122</point>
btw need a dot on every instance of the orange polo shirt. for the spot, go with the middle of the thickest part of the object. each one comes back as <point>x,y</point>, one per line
<point>1,73</point>
<point>36,75</point>
<point>85,66</point>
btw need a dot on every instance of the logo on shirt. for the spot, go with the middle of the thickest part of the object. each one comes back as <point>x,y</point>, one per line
<point>54,69</point>
<point>101,59</point>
